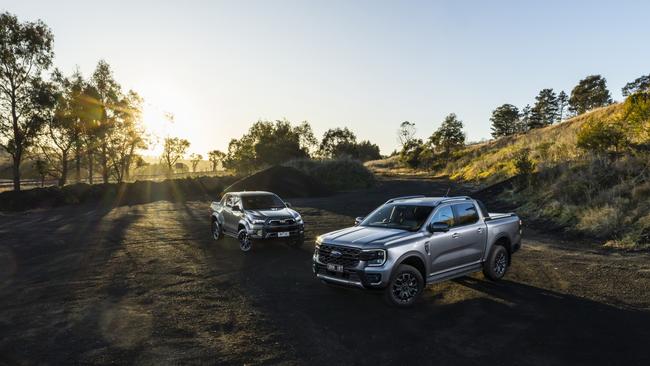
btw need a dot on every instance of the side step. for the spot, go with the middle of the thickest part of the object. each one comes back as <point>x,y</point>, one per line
<point>454,273</point>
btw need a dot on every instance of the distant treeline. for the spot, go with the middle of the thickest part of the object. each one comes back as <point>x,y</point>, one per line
<point>549,107</point>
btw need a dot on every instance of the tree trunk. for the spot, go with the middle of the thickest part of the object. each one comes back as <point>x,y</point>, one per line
<point>90,167</point>
<point>77,159</point>
<point>104,162</point>
<point>16,171</point>
<point>63,179</point>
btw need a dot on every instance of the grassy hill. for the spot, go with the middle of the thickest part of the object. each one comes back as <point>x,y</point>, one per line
<point>603,196</point>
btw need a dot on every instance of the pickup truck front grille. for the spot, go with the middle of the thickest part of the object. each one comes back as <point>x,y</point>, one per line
<point>345,256</point>
<point>277,222</point>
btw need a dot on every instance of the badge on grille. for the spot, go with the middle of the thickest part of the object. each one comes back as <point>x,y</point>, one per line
<point>335,253</point>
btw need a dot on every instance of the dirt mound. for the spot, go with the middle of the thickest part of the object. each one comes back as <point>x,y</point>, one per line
<point>284,181</point>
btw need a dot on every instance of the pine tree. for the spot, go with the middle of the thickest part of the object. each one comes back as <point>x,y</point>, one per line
<point>544,111</point>
<point>504,120</point>
<point>562,102</point>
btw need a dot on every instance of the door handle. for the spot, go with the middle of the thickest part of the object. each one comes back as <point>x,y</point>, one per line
<point>455,235</point>
<point>480,230</point>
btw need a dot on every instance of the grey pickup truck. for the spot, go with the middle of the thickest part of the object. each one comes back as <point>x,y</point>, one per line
<point>258,215</point>
<point>410,242</point>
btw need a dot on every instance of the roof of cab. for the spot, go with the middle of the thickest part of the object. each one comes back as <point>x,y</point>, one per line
<point>428,201</point>
<point>250,193</point>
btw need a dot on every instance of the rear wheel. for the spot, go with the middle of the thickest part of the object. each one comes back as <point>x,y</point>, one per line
<point>245,242</point>
<point>496,265</point>
<point>405,287</point>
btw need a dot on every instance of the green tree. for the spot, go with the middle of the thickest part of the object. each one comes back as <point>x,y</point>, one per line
<point>544,112</point>
<point>591,92</point>
<point>504,120</point>
<point>278,142</point>
<point>195,159</point>
<point>562,103</point>
<point>126,135</point>
<point>449,136</point>
<point>58,139</point>
<point>216,157</point>
<point>108,94</point>
<point>25,52</point>
<point>640,84</point>
<point>173,150</point>
<point>636,112</point>
<point>406,132</point>
<point>42,169</point>
<point>600,136</point>
<point>411,153</point>
<point>335,141</point>
<point>524,119</point>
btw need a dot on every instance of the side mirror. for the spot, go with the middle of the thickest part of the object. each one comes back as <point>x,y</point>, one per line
<point>438,227</point>
<point>358,220</point>
<point>288,204</point>
<point>236,208</point>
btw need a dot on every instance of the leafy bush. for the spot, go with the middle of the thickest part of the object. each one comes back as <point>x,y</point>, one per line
<point>600,136</point>
<point>522,162</point>
<point>339,174</point>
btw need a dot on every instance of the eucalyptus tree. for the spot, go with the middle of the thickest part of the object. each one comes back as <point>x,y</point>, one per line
<point>25,99</point>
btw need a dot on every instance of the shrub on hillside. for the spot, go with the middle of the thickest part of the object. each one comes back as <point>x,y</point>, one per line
<point>523,164</point>
<point>339,174</point>
<point>600,136</point>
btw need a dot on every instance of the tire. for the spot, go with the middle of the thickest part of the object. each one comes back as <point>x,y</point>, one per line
<point>496,265</point>
<point>245,242</point>
<point>215,228</point>
<point>405,287</point>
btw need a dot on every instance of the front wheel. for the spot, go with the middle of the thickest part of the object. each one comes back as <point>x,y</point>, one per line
<point>496,265</point>
<point>245,242</point>
<point>405,287</point>
<point>216,230</point>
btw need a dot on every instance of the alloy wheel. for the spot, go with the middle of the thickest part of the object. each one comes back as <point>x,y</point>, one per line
<point>500,264</point>
<point>244,241</point>
<point>405,287</point>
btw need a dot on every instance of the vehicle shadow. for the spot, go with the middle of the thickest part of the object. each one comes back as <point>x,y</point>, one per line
<point>58,259</point>
<point>467,322</point>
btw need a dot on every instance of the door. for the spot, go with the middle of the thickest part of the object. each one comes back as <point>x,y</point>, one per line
<point>469,231</point>
<point>442,246</point>
<point>228,214</point>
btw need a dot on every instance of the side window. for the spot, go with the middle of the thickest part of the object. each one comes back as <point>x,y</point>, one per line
<point>466,214</point>
<point>444,214</point>
<point>236,201</point>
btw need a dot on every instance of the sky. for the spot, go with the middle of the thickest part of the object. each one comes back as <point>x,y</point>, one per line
<point>219,66</point>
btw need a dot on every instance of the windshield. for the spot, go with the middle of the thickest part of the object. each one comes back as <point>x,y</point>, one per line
<point>262,202</point>
<point>405,217</point>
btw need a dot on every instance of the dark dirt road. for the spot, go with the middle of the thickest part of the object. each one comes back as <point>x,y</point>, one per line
<point>146,285</point>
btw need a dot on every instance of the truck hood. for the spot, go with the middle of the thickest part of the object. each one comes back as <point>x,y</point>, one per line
<point>273,214</point>
<point>363,236</point>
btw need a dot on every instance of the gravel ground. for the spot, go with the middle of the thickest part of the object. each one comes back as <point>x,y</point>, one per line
<point>145,284</point>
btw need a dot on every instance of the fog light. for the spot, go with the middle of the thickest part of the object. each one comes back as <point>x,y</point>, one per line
<point>373,277</point>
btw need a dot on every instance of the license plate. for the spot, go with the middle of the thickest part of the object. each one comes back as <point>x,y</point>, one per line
<point>335,267</point>
<point>283,234</point>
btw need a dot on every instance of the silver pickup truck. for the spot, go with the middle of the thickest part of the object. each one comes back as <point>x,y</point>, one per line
<point>409,242</point>
<point>252,216</point>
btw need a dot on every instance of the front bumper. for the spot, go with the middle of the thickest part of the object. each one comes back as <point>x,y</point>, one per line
<point>359,276</point>
<point>296,232</point>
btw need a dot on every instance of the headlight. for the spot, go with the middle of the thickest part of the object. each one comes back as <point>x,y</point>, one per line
<point>374,257</point>
<point>255,221</point>
<point>298,219</point>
